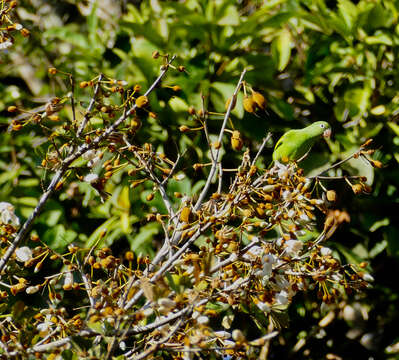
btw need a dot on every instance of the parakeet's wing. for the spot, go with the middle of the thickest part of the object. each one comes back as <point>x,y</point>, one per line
<point>285,146</point>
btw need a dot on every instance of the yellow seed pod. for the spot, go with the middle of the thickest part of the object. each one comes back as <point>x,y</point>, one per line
<point>236,141</point>
<point>54,118</point>
<point>331,195</point>
<point>184,128</point>
<point>185,214</point>
<point>249,104</point>
<point>247,212</point>
<point>25,32</point>
<point>217,145</point>
<point>260,212</point>
<point>150,196</point>
<point>226,106</point>
<point>176,88</point>
<point>367,189</point>
<point>377,164</point>
<point>12,109</point>
<point>67,287</point>
<point>259,100</point>
<point>357,188</point>
<point>142,101</point>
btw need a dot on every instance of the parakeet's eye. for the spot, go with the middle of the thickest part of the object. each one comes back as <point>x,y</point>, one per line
<point>322,126</point>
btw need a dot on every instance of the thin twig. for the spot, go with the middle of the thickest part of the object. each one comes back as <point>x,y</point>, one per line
<point>220,138</point>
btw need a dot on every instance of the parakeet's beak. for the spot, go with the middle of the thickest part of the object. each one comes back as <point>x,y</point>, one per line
<point>327,133</point>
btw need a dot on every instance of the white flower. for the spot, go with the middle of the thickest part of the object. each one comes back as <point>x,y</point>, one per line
<point>92,156</point>
<point>324,251</point>
<point>222,334</point>
<point>5,45</point>
<point>291,213</point>
<point>283,171</point>
<point>45,326</point>
<point>32,289</point>
<point>89,155</point>
<point>304,217</point>
<point>7,215</point>
<point>23,254</point>
<point>203,320</point>
<point>268,261</point>
<point>282,298</point>
<point>293,247</point>
<point>90,178</point>
<point>18,27</point>
<point>68,281</point>
<point>368,278</point>
<point>287,195</point>
<point>281,283</point>
<point>263,307</point>
<point>92,163</point>
<point>254,252</point>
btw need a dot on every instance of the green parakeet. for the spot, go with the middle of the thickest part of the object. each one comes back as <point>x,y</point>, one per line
<point>296,143</point>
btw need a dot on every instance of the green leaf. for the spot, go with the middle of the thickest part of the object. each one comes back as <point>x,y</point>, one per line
<point>281,49</point>
<point>379,223</point>
<point>349,12</point>
<point>141,243</point>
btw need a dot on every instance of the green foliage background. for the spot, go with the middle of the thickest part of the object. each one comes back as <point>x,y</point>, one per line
<point>313,60</point>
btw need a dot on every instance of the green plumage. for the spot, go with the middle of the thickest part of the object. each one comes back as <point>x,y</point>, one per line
<point>296,143</point>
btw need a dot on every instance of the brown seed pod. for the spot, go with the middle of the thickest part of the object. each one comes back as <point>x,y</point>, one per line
<point>150,196</point>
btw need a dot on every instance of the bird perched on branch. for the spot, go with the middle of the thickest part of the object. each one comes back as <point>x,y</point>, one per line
<point>295,144</point>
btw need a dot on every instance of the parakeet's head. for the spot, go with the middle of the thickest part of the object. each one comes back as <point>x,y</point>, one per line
<point>320,128</point>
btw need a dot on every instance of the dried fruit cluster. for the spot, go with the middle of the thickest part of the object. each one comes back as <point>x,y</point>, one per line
<point>246,249</point>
